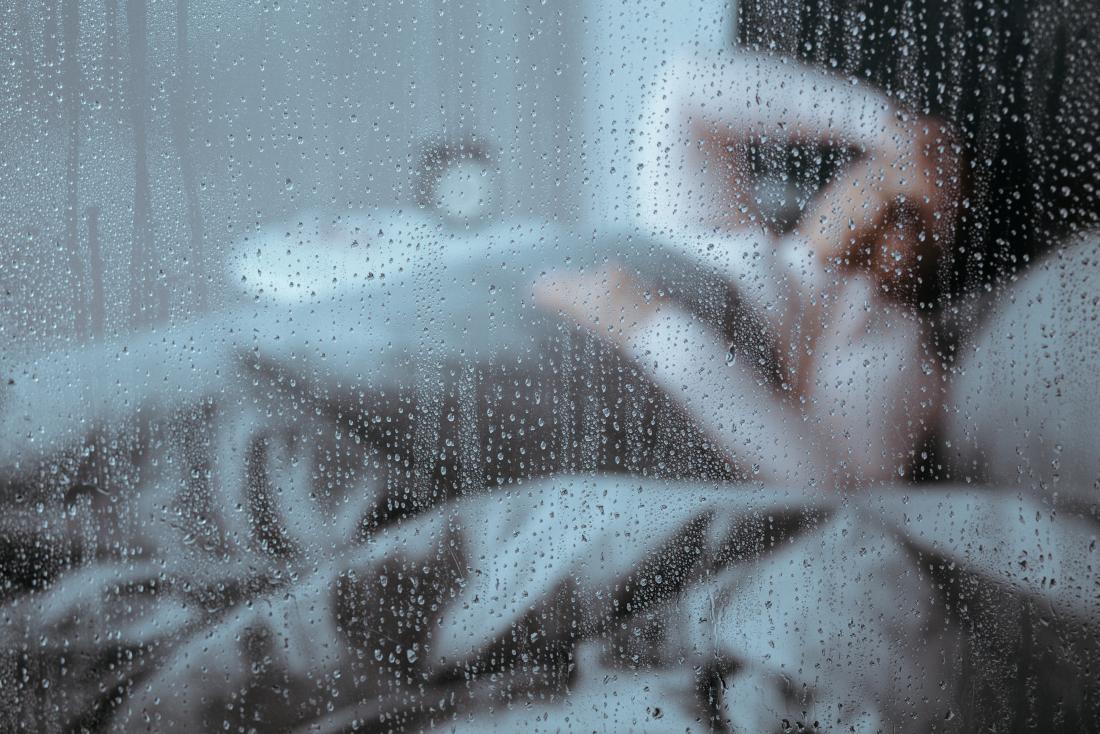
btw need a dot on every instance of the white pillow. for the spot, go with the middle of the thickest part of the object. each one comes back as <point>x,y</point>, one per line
<point>1025,406</point>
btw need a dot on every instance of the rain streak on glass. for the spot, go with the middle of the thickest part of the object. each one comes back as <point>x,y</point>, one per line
<point>608,365</point>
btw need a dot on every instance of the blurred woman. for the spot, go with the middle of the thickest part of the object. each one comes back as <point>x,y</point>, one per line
<point>969,157</point>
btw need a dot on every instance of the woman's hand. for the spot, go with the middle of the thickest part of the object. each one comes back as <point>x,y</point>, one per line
<point>893,211</point>
<point>609,302</point>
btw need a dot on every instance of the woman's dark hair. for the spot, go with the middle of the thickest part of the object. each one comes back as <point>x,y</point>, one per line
<point>1018,80</point>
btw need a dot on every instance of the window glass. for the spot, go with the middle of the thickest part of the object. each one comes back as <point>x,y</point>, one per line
<point>602,365</point>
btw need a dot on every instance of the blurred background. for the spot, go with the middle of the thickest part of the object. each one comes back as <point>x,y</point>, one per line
<point>218,444</point>
<point>143,140</point>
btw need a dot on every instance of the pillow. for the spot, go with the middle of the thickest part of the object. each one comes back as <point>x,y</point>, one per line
<point>1024,407</point>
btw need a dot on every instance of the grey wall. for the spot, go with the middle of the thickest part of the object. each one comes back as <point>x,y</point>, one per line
<point>142,138</point>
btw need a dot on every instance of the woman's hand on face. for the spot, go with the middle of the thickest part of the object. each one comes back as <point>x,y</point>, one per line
<point>892,211</point>
<point>608,302</point>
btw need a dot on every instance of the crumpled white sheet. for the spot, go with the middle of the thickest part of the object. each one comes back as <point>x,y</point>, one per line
<point>241,581</point>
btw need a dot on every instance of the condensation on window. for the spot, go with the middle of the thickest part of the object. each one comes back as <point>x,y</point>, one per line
<point>602,365</point>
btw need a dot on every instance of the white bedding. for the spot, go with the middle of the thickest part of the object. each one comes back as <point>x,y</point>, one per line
<point>249,557</point>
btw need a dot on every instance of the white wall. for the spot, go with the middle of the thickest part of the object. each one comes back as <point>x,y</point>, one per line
<point>625,43</point>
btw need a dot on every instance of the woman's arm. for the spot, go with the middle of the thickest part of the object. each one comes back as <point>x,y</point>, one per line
<point>867,398</point>
<point>763,435</point>
<point>703,110</point>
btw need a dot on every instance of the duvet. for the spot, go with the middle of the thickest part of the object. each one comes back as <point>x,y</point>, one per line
<point>208,529</point>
